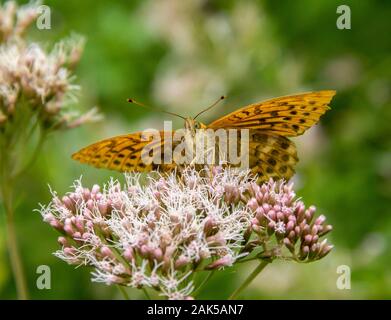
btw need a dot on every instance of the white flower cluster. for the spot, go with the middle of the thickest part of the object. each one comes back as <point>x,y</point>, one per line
<point>32,80</point>
<point>160,233</point>
<point>154,236</point>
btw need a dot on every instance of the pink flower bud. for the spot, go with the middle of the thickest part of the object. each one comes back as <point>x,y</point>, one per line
<point>292,235</point>
<point>231,194</point>
<point>271,214</point>
<point>90,225</point>
<point>292,218</point>
<point>254,221</point>
<point>252,204</point>
<point>90,204</point>
<point>216,240</point>
<point>128,254</point>
<point>79,224</point>
<point>304,251</point>
<point>106,252</point>
<point>279,215</point>
<point>74,197</point>
<point>56,224</point>
<point>225,261</point>
<point>277,208</point>
<point>68,203</point>
<point>209,225</point>
<point>95,189</point>
<point>271,225</point>
<point>320,220</point>
<point>314,229</point>
<point>87,214</point>
<point>49,217</point>
<point>181,262</point>
<point>264,188</point>
<point>289,245</point>
<point>86,193</point>
<point>157,254</point>
<point>102,207</point>
<point>307,239</point>
<point>259,197</point>
<point>309,213</point>
<point>305,229</point>
<point>169,252</point>
<point>156,194</point>
<point>68,229</point>
<point>289,226</point>
<point>325,250</point>
<point>315,248</point>
<point>300,210</point>
<point>144,250</point>
<point>77,235</point>
<point>259,213</point>
<point>86,236</point>
<point>69,251</point>
<point>326,229</point>
<point>63,241</point>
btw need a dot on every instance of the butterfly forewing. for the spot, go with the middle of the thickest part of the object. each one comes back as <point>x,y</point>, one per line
<point>124,153</point>
<point>286,116</point>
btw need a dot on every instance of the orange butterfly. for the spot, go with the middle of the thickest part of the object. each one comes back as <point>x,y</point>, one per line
<point>269,123</point>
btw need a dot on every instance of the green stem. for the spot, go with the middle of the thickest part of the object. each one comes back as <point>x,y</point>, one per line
<point>124,293</point>
<point>146,293</point>
<point>34,156</point>
<point>204,282</point>
<point>249,279</point>
<point>12,137</point>
<point>247,260</point>
<point>13,248</point>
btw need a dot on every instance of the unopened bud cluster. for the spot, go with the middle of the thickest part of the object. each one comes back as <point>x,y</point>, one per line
<point>279,215</point>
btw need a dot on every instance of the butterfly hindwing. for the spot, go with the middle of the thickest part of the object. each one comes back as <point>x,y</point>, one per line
<point>271,155</point>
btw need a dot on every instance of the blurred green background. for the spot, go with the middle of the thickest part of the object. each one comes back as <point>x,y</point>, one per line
<point>181,56</point>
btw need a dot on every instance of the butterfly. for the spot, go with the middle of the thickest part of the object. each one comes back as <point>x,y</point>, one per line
<point>269,125</point>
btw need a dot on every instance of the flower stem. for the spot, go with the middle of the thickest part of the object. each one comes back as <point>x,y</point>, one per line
<point>249,279</point>
<point>13,248</point>
<point>124,293</point>
<point>204,282</point>
<point>146,293</point>
<point>34,156</point>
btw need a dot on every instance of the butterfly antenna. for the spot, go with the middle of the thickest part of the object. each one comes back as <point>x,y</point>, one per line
<point>155,109</point>
<point>210,107</point>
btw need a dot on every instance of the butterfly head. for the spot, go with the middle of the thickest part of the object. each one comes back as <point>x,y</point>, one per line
<point>193,125</point>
